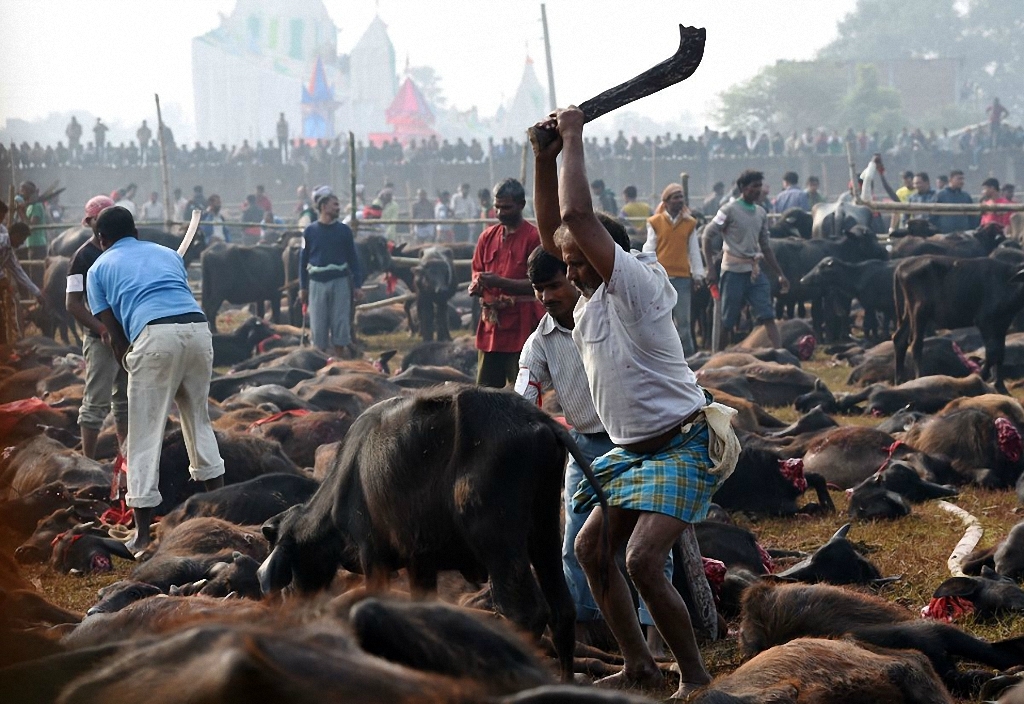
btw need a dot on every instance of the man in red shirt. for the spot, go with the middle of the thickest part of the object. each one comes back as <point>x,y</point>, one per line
<point>509,310</point>
<point>990,194</point>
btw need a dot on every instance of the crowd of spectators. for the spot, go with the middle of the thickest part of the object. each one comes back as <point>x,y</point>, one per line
<point>711,144</point>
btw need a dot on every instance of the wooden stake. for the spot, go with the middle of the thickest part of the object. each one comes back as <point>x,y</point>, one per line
<point>352,175</point>
<point>168,212</point>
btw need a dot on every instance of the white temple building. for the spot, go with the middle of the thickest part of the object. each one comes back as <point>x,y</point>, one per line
<point>255,64</point>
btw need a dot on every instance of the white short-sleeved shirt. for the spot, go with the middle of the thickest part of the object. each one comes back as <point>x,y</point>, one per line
<point>639,378</point>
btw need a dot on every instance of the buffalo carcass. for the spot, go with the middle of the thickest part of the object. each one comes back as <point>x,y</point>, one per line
<point>941,355</point>
<point>247,503</point>
<point>769,384</point>
<point>763,483</point>
<point>953,293</point>
<point>982,449</point>
<point>927,394</point>
<point>241,274</point>
<point>822,671</point>
<point>870,282</point>
<point>426,483</point>
<point>775,614</point>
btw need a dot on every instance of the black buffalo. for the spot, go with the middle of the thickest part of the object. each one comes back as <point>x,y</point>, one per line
<point>870,282</point>
<point>954,293</point>
<point>454,478</point>
<point>240,274</point>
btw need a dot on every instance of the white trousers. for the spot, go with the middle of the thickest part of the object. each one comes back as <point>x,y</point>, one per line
<point>168,363</point>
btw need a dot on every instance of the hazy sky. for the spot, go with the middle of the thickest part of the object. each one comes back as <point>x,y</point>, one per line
<point>109,56</point>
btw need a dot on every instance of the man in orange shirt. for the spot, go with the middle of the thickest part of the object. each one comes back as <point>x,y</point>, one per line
<point>671,234</point>
<point>990,193</point>
<point>509,310</point>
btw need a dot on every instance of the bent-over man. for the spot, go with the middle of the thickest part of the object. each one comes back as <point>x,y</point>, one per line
<point>11,275</point>
<point>139,291</point>
<point>660,477</point>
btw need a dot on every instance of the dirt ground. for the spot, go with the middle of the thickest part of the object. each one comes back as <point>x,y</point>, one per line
<point>914,548</point>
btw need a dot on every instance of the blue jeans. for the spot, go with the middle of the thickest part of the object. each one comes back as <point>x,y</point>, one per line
<point>737,288</point>
<point>681,312</point>
<point>586,608</point>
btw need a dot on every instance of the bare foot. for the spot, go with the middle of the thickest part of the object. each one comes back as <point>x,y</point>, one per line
<point>646,680</point>
<point>135,546</point>
<point>686,691</point>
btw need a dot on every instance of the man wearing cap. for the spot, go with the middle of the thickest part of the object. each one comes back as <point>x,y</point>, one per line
<point>106,381</point>
<point>672,235</point>
<point>330,276</point>
<point>139,291</point>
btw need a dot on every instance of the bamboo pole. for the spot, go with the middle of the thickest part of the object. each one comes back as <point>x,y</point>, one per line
<point>684,179</point>
<point>352,175</point>
<point>362,307</point>
<point>168,213</point>
<point>547,54</point>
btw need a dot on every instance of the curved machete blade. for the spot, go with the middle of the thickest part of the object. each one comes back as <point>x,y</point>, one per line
<point>673,70</point>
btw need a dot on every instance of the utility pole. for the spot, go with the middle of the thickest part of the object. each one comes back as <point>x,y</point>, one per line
<point>547,55</point>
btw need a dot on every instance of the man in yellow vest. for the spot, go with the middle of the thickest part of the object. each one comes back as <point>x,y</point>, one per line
<point>671,234</point>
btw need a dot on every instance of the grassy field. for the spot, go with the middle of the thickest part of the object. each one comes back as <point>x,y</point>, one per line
<point>915,548</point>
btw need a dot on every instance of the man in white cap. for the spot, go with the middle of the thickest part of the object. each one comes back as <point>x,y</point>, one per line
<point>106,381</point>
<point>330,276</point>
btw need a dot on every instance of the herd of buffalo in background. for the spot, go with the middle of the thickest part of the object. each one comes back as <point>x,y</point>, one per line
<point>322,490</point>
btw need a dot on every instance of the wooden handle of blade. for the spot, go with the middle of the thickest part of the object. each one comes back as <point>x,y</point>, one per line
<point>541,138</point>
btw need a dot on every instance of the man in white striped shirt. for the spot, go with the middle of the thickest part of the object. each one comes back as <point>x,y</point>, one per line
<point>550,359</point>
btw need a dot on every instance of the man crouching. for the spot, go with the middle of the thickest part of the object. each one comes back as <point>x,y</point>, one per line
<point>660,477</point>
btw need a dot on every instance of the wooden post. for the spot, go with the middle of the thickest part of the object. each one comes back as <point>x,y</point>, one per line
<point>853,169</point>
<point>654,171</point>
<point>168,212</point>
<point>490,162</point>
<point>684,179</point>
<point>522,166</point>
<point>547,54</point>
<point>352,175</point>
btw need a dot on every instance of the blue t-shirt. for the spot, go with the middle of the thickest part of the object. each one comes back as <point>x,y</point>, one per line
<point>139,282</point>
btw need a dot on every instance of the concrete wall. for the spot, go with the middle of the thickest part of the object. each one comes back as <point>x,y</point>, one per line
<point>234,182</point>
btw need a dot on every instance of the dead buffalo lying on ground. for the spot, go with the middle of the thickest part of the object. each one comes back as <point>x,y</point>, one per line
<point>245,457</point>
<point>247,503</point>
<point>20,515</point>
<point>1005,557</point>
<point>797,337</point>
<point>185,553</point>
<point>43,460</point>
<point>940,355</point>
<point>775,614</point>
<point>770,384</point>
<point>989,594</point>
<point>764,483</point>
<point>300,436</point>
<point>234,347</point>
<point>885,493</point>
<point>927,394</point>
<point>37,548</point>
<point>820,671</point>
<point>458,354</point>
<point>952,293</point>
<point>982,450</point>
<point>426,483</point>
<point>835,562</point>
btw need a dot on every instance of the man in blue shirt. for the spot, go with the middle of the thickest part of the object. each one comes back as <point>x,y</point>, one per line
<point>329,277</point>
<point>791,196</point>
<point>139,291</point>
<point>953,193</point>
<point>923,193</point>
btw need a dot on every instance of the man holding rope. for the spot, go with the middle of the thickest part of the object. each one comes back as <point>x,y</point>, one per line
<point>672,448</point>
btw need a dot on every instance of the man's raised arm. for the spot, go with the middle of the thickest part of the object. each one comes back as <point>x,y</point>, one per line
<point>545,188</point>
<point>577,209</point>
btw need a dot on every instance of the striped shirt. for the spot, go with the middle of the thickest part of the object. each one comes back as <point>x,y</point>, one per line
<point>550,359</point>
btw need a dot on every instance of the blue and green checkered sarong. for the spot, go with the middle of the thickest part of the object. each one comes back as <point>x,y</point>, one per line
<point>674,481</point>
